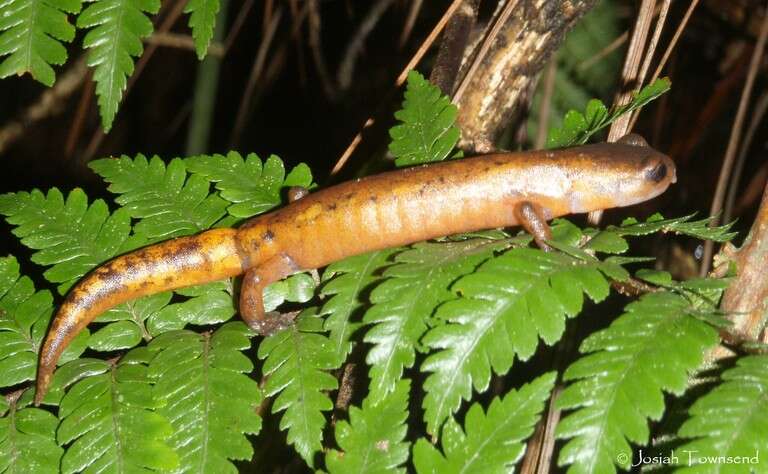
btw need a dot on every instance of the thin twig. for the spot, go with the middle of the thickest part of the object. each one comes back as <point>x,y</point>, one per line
<point>733,140</point>
<point>498,24</point>
<point>78,121</point>
<point>410,21</point>
<point>675,38</point>
<point>316,48</point>
<point>761,107</point>
<point>615,44</point>
<point>50,102</point>
<point>256,70</point>
<point>355,46</point>
<point>178,41</point>
<point>237,25</point>
<point>546,101</point>
<point>400,80</point>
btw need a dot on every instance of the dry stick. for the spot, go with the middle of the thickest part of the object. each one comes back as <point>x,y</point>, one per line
<point>501,20</point>
<point>237,25</point>
<point>78,121</point>
<point>629,73</point>
<point>453,44</point>
<point>356,44</point>
<point>314,46</point>
<point>400,79</point>
<point>615,44</point>
<point>546,100</point>
<point>733,141</point>
<point>668,52</point>
<point>649,56</point>
<point>256,69</point>
<point>49,103</point>
<point>178,41</point>
<point>410,21</point>
<point>761,107</point>
<point>165,26</point>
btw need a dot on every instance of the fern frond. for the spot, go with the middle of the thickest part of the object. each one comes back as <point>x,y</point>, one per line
<point>505,307</point>
<point>731,420</point>
<point>168,202</point>
<point>24,318</point>
<point>295,361</point>
<point>699,229</point>
<point>653,347</point>
<point>70,235</point>
<point>117,27</point>
<point>347,281</point>
<point>202,21</point>
<point>32,32</point>
<point>27,439</point>
<point>108,418</point>
<point>202,384</point>
<point>427,132</point>
<point>402,304</point>
<point>490,442</point>
<point>373,439</point>
<point>126,326</point>
<point>252,187</point>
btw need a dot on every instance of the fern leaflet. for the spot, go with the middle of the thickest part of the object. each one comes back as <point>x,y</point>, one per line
<point>295,361</point>
<point>491,442</point>
<point>70,235</point>
<point>24,318</point>
<point>347,281</point>
<point>618,386</point>
<point>27,439</point>
<point>202,21</point>
<point>32,31</point>
<point>108,418</point>
<point>505,307</point>
<point>202,385</point>
<point>731,420</point>
<point>427,132</point>
<point>402,304</point>
<point>373,438</point>
<point>168,202</point>
<point>253,188</point>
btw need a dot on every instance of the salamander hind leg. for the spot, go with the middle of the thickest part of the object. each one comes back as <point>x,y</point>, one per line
<point>252,295</point>
<point>531,217</point>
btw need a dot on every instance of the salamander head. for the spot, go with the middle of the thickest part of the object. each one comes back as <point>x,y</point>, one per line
<point>623,173</point>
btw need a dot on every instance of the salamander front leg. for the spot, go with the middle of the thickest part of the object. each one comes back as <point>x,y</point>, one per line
<point>252,295</point>
<point>531,217</point>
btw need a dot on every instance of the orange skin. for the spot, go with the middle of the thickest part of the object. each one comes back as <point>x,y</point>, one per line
<point>376,212</point>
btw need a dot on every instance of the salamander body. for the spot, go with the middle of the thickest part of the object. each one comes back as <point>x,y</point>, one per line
<point>380,211</point>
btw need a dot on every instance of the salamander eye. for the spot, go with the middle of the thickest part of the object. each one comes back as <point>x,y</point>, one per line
<point>656,173</point>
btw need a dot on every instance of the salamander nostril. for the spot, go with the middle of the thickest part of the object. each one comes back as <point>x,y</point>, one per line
<point>657,173</point>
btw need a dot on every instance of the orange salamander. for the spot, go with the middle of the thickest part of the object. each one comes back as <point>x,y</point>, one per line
<point>385,210</point>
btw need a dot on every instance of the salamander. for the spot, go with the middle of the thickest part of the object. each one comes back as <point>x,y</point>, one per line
<point>385,210</point>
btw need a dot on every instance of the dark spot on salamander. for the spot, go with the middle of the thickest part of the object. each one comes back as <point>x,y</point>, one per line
<point>441,179</point>
<point>349,195</point>
<point>657,173</point>
<point>373,198</point>
<point>332,206</point>
<point>268,236</point>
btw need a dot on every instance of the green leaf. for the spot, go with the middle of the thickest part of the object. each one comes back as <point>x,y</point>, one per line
<point>253,188</point>
<point>168,201</point>
<point>681,225</point>
<point>202,21</point>
<point>578,127</point>
<point>108,420</point>
<point>24,318</point>
<point>32,31</point>
<point>653,347</point>
<point>127,320</point>
<point>295,363</point>
<point>117,27</point>
<point>348,281</point>
<point>373,439</point>
<point>730,421</point>
<point>427,132</point>
<point>404,302</point>
<point>28,441</point>
<point>203,387</point>
<point>506,306</point>
<point>490,442</point>
<point>70,235</point>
